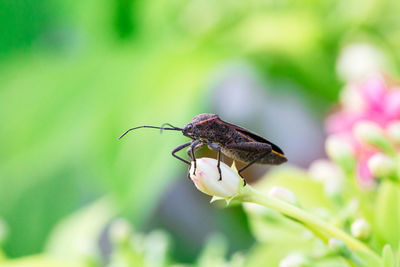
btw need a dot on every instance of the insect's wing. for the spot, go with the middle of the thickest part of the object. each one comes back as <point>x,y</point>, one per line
<point>253,136</point>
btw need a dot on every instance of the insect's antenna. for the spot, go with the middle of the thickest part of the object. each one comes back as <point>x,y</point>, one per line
<point>170,125</point>
<point>173,128</point>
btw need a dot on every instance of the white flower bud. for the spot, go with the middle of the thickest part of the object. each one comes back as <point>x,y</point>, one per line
<point>381,165</point>
<point>329,174</point>
<point>393,131</point>
<point>338,147</point>
<point>206,178</point>
<point>372,134</point>
<point>283,194</point>
<point>351,98</point>
<point>338,246</point>
<point>155,248</point>
<point>340,151</point>
<point>120,231</point>
<point>360,229</point>
<point>368,132</point>
<point>295,259</point>
<point>359,60</point>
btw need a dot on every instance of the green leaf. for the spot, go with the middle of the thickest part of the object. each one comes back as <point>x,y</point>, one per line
<point>79,232</point>
<point>214,252</point>
<point>388,257</point>
<point>269,226</point>
<point>40,260</point>
<point>309,192</point>
<point>387,214</point>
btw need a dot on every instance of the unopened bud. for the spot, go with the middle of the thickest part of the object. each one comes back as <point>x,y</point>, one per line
<point>393,131</point>
<point>359,60</point>
<point>370,133</point>
<point>329,174</point>
<point>340,150</point>
<point>206,178</point>
<point>382,165</point>
<point>360,229</point>
<point>295,259</point>
<point>339,247</point>
<point>155,247</point>
<point>351,99</point>
<point>120,231</point>
<point>283,194</point>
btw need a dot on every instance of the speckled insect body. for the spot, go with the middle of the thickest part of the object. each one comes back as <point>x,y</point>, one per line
<point>233,141</point>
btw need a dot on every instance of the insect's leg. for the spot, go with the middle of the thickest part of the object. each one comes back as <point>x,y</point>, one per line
<point>189,153</point>
<point>251,163</point>
<point>179,148</point>
<point>218,148</point>
<point>192,148</point>
<point>258,148</point>
<point>189,150</point>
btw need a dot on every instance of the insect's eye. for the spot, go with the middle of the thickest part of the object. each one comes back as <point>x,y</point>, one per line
<point>190,128</point>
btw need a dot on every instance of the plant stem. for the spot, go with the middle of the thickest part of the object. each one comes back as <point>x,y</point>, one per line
<point>248,194</point>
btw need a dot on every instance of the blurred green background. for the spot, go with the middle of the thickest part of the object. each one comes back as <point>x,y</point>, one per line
<point>75,75</point>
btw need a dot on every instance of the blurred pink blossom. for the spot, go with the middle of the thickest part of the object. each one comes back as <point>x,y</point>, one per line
<point>379,104</point>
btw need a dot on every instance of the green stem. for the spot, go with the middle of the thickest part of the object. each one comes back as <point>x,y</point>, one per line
<point>248,194</point>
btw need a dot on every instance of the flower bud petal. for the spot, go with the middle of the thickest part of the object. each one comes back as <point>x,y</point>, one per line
<point>206,178</point>
<point>381,165</point>
<point>393,131</point>
<point>358,60</point>
<point>283,194</point>
<point>120,231</point>
<point>337,146</point>
<point>340,150</point>
<point>295,259</point>
<point>329,174</point>
<point>351,99</point>
<point>367,132</point>
<point>370,133</point>
<point>339,247</point>
<point>360,229</point>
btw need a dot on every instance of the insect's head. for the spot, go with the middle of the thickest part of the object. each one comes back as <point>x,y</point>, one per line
<point>199,125</point>
<point>190,130</point>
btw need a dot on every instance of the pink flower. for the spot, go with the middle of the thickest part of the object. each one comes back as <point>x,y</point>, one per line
<point>392,104</point>
<point>365,177</point>
<point>373,91</point>
<point>379,104</point>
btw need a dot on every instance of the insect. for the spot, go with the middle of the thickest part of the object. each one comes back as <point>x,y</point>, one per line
<point>233,141</point>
